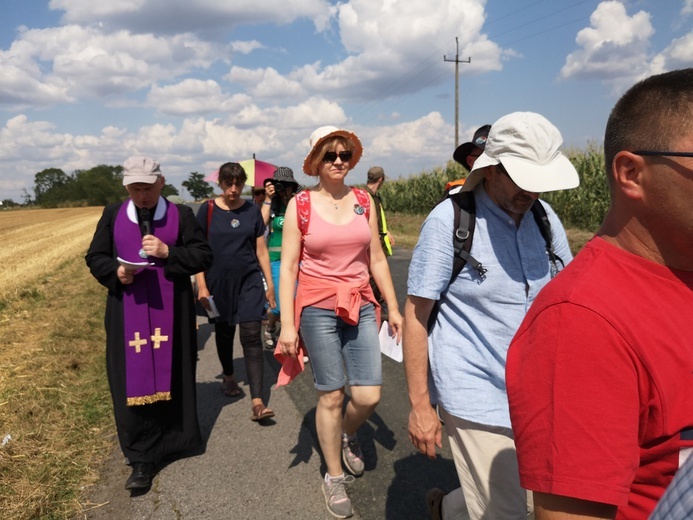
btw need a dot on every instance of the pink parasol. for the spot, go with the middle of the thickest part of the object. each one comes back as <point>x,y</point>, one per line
<point>257,172</point>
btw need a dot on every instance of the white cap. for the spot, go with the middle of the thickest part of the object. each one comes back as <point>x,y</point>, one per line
<point>527,145</point>
<point>141,169</point>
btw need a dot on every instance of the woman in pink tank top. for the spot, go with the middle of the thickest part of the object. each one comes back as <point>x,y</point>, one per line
<point>330,244</point>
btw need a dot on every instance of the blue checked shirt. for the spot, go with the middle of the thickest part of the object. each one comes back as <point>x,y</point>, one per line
<point>477,319</point>
<point>677,502</point>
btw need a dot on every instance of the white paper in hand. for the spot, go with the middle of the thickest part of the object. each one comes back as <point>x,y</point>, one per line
<point>134,266</point>
<point>388,343</point>
<point>213,312</point>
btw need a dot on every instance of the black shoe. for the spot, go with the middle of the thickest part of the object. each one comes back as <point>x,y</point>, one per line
<point>141,477</point>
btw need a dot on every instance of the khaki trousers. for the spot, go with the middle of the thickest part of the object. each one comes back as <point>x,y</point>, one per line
<point>486,464</point>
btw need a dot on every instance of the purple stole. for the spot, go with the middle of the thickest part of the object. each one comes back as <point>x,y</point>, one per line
<point>147,307</point>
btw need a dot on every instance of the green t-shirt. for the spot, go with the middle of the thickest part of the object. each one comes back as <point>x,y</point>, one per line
<point>274,241</point>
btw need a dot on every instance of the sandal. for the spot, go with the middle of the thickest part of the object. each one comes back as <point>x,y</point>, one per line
<point>230,388</point>
<point>261,412</point>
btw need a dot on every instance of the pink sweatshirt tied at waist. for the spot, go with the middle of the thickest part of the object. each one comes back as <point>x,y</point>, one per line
<point>348,302</point>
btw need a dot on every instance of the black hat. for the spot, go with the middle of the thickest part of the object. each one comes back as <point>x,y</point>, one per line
<point>284,174</point>
<point>479,141</point>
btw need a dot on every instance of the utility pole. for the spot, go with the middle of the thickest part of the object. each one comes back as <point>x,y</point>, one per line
<point>457,89</point>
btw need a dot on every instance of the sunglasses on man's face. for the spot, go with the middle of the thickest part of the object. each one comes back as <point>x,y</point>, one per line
<point>331,157</point>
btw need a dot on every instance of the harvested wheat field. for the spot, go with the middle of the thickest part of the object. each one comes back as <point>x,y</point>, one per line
<point>55,422</point>
<point>38,240</point>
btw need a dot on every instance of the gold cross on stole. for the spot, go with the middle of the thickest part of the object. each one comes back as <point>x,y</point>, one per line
<point>157,338</point>
<point>137,343</point>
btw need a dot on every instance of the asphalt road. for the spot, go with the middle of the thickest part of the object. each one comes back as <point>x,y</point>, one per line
<point>247,470</point>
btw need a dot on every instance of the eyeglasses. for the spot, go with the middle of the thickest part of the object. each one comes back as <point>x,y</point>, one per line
<point>331,157</point>
<point>664,154</point>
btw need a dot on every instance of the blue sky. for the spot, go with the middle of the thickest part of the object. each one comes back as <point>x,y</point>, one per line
<point>198,83</point>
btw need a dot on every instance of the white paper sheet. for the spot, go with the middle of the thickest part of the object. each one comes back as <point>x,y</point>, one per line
<point>134,266</point>
<point>388,343</point>
<point>213,312</point>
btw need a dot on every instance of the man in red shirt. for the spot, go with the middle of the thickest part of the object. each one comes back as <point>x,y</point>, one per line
<point>599,374</point>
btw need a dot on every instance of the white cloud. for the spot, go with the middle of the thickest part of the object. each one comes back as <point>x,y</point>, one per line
<point>614,48</point>
<point>413,138</point>
<point>687,8</point>
<point>245,47</point>
<point>388,44</point>
<point>393,48</point>
<point>679,53</point>
<point>204,17</point>
<point>88,63</point>
<point>276,134</point>
<point>266,83</point>
<point>194,96</point>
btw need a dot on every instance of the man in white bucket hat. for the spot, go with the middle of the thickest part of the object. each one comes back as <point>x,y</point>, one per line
<point>479,308</point>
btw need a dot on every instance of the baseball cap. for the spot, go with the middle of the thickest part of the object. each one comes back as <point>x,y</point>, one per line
<point>375,173</point>
<point>140,169</point>
<point>478,141</point>
<point>528,146</point>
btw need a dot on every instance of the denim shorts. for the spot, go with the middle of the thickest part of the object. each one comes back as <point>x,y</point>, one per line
<point>333,345</point>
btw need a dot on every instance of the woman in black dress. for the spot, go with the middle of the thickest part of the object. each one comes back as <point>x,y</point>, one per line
<point>235,231</point>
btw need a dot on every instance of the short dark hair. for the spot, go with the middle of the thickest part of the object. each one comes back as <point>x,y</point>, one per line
<point>232,173</point>
<point>651,115</point>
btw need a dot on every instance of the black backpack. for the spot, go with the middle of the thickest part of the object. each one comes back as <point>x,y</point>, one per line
<point>464,207</point>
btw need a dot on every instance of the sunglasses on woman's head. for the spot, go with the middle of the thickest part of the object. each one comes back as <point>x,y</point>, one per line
<point>331,157</point>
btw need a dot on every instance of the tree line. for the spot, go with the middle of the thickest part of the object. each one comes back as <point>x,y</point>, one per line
<point>98,186</point>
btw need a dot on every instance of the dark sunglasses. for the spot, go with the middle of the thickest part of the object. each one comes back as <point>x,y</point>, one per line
<point>663,154</point>
<point>331,157</point>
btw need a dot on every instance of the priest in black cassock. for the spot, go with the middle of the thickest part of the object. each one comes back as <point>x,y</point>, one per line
<point>144,251</point>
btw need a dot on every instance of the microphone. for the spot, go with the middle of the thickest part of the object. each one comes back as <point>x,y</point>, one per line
<point>146,218</point>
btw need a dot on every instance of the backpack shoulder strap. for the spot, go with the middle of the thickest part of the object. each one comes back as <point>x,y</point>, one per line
<point>210,210</point>
<point>364,201</point>
<point>544,225</point>
<point>464,207</point>
<point>303,210</point>
<point>465,221</point>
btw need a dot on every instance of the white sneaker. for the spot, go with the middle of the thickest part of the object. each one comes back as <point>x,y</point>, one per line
<point>336,499</point>
<point>270,337</point>
<point>351,455</point>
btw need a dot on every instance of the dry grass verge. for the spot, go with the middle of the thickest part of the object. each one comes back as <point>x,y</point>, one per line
<point>55,413</point>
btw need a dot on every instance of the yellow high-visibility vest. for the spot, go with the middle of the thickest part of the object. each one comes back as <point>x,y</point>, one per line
<point>386,238</point>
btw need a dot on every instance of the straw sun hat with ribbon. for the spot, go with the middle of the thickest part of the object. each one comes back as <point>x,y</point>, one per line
<point>326,132</point>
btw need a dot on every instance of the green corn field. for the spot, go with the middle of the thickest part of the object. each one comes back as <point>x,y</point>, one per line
<point>582,208</point>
